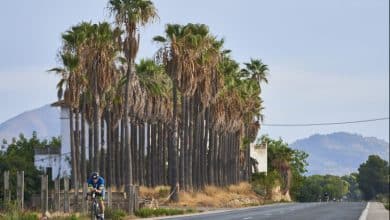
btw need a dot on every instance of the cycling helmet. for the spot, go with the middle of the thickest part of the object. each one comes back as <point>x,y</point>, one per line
<point>95,175</point>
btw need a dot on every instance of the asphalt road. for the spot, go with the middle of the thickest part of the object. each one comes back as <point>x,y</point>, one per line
<point>291,211</point>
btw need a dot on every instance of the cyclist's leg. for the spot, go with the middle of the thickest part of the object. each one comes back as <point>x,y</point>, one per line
<point>101,202</point>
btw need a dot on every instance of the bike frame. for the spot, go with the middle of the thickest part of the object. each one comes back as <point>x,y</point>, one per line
<point>95,207</point>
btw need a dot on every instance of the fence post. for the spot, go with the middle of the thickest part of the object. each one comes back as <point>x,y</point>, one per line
<point>76,196</point>
<point>57,192</point>
<point>84,203</point>
<point>109,197</point>
<point>136,197</point>
<point>44,194</point>
<point>66,195</point>
<point>130,199</point>
<point>7,192</point>
<point>20,189</point>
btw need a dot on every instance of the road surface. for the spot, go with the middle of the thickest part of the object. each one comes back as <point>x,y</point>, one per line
<point>290,211</point>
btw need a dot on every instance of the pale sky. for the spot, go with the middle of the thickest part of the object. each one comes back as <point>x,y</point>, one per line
<point>328,60</point>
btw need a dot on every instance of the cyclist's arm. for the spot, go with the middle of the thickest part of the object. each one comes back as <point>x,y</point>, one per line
<point>90,186</point>
<point>100,189</point>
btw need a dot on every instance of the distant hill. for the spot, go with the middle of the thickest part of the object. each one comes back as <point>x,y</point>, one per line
<point>44,120</point>
<point>340,153</point>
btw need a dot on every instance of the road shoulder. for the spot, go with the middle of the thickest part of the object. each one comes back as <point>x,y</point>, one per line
<point>377,211</point>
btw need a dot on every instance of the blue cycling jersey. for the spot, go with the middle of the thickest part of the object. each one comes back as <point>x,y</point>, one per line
<point>99,184</point>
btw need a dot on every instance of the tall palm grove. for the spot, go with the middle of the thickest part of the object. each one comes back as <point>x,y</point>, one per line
<point>184,118</point>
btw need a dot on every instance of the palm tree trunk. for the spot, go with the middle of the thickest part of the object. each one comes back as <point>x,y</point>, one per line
<point>191,143</point>
<point>72,148</point>
<point>116,156</point>
<point>90,148</point>
<point>185,144</point>
<point>113,143</point>
<point>109,149</point>
<point>214,157</point>
<point>210,154</point>
<point>123,156</point>
<point>172,148</point>
<point>195,162</point>
<point>149,157</point>
<point>96,135</point>
<point>129,165</point>
<point>206,119</point>
<point>247,157</point>
<point>160,141</point>
<point>77,144</point>
<point>142,154</point>
<point>165,153</point>
<point>133,144</point>
<point>202,152</point>
<point>153,154</point>
<point>83,146</point>
<point>181,129</point>
<point>102,162</point>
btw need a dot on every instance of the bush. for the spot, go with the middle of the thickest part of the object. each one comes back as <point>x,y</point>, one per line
<point>20,216</point>
<point>147,212</point>
<point>384,198</point>
<point>262,184</point>
<point>114,214</point>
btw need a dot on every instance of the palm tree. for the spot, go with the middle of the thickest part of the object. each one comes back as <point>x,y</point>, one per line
<point>97,57</point>
<point>72,80</point>
<point>157,84</point>
<point>129,14</point>
<point>256,70</point>
<point>255,73</point>
<point>177,61</point>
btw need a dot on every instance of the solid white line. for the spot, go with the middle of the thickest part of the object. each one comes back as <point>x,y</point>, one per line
<point>363,216</point>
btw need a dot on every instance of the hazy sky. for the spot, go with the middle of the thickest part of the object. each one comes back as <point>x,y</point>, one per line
<point>328,60</point>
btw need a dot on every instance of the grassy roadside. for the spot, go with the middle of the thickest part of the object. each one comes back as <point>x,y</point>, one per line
<point>384,199</point>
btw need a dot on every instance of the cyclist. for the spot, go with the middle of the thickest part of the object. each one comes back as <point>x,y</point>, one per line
<point>326,196</point>
<point>96,184</point>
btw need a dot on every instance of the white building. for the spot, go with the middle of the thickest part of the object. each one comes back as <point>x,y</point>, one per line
<point>259,152</point>
<point>48,160</point>
<point>64,165</point>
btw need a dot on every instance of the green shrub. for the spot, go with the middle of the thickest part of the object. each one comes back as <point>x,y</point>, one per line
<point>384,198</point>
<point>19,216</point>
<point>114,214</point>
<point>163,192</point>
<point>262,184</point>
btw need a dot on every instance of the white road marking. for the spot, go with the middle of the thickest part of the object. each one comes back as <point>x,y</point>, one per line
<point>363,216</point>
<point>247,218</point>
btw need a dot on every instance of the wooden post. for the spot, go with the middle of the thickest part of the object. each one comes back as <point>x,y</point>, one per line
<point>109,197</point>
<point>44,194</point>
<point>20,189</point>
<point>66,195</point>
<point>84,203</point>
<point>136,198</point>
<point>130,199</point>
<point>7,191</point>
<point>76,207</point>
<point>57,194</point>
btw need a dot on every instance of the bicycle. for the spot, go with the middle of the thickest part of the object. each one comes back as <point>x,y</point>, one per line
<point>95,208</point>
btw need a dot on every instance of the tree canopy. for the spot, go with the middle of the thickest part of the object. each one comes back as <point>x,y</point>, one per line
<point>373,177</point>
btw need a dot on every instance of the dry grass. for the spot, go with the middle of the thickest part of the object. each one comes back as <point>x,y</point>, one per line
<point>159,192</point>
<point>242,188</point>
<point>240,195</point>
<point>232,196</point>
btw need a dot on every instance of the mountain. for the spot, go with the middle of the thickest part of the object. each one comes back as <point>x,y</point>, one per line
<point>340,153</point>
<point>44,120</point>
